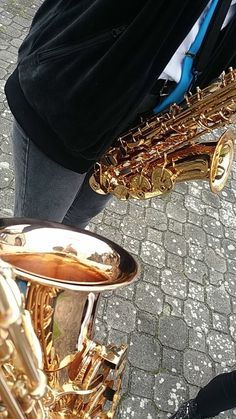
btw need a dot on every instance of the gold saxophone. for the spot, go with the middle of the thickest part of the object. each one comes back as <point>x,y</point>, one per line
<point>149,159</point>
<point>50,366</point>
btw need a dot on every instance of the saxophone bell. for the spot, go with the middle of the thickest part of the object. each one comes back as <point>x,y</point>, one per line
<point>222,161</point>
<point>61,271</point>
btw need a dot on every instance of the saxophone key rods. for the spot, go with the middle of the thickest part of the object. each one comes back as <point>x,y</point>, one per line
<point>150,159</point>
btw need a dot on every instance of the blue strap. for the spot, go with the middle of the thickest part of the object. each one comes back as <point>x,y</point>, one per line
<point>187,76</point>
<point>23,286</point>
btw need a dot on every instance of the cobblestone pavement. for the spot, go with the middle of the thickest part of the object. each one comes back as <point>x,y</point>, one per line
<point>180,316</point>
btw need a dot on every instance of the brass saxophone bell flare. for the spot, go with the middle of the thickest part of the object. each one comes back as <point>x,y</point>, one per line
<point>222,161</point>
<point>61,272</point>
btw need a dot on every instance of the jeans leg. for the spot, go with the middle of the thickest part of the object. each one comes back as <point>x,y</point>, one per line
<point>43,188</point>
<point>86,205</point>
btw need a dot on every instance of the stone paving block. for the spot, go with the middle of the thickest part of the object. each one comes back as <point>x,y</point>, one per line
<point>6,177</point>
<point>142,203</point>
<point>182,188</point>
<point>170,391</point>
<point>230,233</point>
<point>133,227</point>
<point>174,283</point>
<point>101,306</point>
<point>212,212</point>
<point>158,204</point>
<point>197,368</point>
<point>138,408</point>
<point>195,218</point>
<point>222,368</point>
<point>172,360</point>
<point>126,292</point>
<point>142,383</point>
<point>215,244</point>
<point>193,391</point>
<point>233,301</point>
<point>175,244</point>
<point>231,266</point>
<point>136,211</point>
<point>153,254</point>
<point>214,261</point>
<point>175,226</point>
<point>109,232</point>
<point>131,245</point>
<point>100,331</point>
<point>196,314</point>
<point>6,202</point>
<point>112,219</point>
<point>176,210</point>
<point>196,252</point>
<point>225,205</point>
<point>172,332</point>
<point>5,127</point>
<point>228,195</point>
<point>195,235</point>
<point>227,415</point>
<point>148,297</point>
<point>197,340</point>
<point>119,207</point>
<point>144,352</point>
<point>121,314</point>
<point>195,270</point>
<point>195,189</point>
<point>212,226</point>
<point>221,348</point>
<point>227,218</point>
<point>211,199</point>
<point>146,323</point>
<point>232,327</point>
<point>215,278</point>
<point>175,262</point>
<point>154,235</point>
<point>229,248</point>
<point>155,219</point>
<point>194,204</point>
<point>196,291</point>
<point>176,306</point>
<point>125,381</point>
<point>116,337</point>
<point>220,322</point>
<point>218,299</point>
<point>151,274</point>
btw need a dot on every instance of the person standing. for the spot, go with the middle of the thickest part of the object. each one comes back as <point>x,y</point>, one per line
<point>85,71</point>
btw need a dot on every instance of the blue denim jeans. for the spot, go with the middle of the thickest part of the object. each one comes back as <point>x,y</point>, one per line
<point>45,190</point>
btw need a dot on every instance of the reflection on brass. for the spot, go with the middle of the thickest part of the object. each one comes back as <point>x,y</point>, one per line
<point>149,159</point>
<point>50,366</point>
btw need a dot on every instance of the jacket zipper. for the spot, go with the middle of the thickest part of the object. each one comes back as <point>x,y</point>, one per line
<point>63,52</point>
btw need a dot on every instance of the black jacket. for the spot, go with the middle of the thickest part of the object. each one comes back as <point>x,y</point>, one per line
<point>86,65</point>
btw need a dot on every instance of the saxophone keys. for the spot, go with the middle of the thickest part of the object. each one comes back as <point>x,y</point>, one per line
<point>140,182</point>
<point>96,186</point>
<point>139,186</point>
<point>121,192</point>
<point>162,180</point>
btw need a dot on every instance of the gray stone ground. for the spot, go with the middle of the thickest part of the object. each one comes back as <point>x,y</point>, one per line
<point>180,316</point>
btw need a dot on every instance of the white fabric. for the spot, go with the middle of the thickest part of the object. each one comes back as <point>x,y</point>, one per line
<point>173,69</point>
